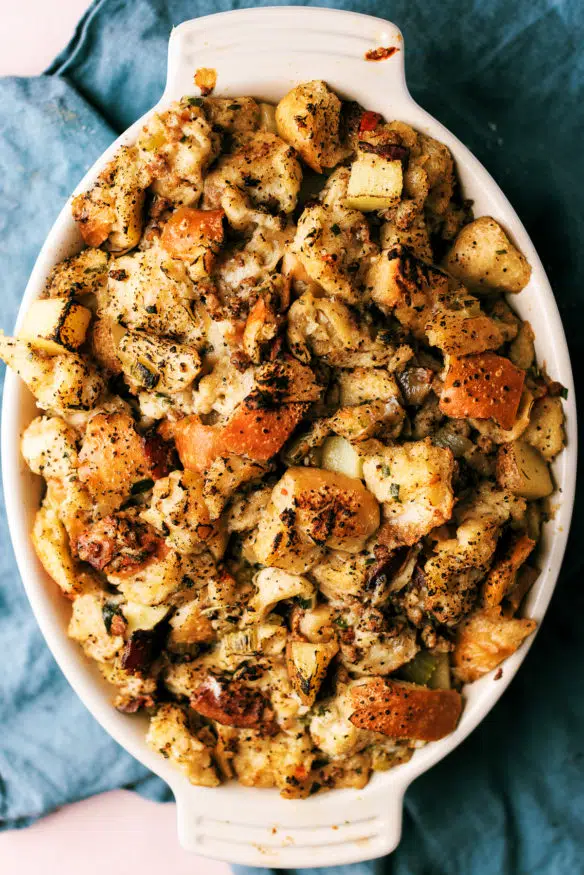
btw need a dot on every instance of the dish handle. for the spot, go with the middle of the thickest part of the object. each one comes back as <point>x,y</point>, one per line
<point>273,36</point>
<point>346,827</point>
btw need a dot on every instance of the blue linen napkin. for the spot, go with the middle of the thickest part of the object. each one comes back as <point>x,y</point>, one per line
<point>508,80</point>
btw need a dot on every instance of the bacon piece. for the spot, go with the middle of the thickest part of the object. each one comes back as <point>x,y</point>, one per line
<point>234,704</point>
<point>138,654</point>
<point>161,455</point>
<point>119,543</point>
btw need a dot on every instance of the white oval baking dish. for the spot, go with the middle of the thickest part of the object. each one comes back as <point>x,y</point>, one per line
<point>264,52</point>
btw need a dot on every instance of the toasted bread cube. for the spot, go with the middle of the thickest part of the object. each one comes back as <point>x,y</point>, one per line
<point>169,735</point>
<point>483,257</point>
<point>328,508</point>
<point>104,339</point>
<point>81,274</point>
<point>457,332</point>
<point>485,639</point>
<point>545,431</point>
<point>113,455</point>
<point>403,710</point>
<point>501,578</point>
<point>157,363</point>
<point>414,482</point>
<point>308,118</point>
<point>51,545</point>
<point>276,543</point>
<point>307,665</point>
<point>375,183</point>
<point>59,382</point>
<point>484,386</point>
<point>523,471</point>
<point>55,324</point>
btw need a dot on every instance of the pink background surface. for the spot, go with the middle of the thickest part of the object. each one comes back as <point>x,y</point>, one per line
<point>117,833</point>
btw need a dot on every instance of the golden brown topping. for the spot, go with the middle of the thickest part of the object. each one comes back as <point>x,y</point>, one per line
<point>403,710</point>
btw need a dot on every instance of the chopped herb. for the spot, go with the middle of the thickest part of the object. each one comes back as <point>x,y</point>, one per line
<point>564,392</point>
<point>142,486</point>
<point>394,491</point>
<point>108,612</point>
<point>335,229</point>
<point>184,138</point>
<point>322,710</point>
<point>304,603</point>
<point>315,788</point>
<point>385,470</point>
<point>151,308</point>
<point>195,101</point>
<point>501,251</point>
<point>341,622</point>
<point>320,762</point>
<point>234,106</point>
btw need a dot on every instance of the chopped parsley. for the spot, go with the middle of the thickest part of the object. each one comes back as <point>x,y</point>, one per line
<point>394,491</point>
<point>341,623</point>
<point>335,229</point>
<point>501,251</point>
<point>385,470</point>
<point>564,392</point>
<point>195,101</point>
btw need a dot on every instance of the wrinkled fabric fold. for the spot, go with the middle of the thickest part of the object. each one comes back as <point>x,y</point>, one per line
<point>508,79</point>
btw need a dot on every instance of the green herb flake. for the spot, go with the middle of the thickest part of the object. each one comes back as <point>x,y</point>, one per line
<point>195,101</point>
<point>394,491</point>
<point>108,612</point>
<point>341,623</point>
<point>304,603</point>
<point>335,229</point>
<point>234,106</point>
<point>501,251</point>
<point>142,486</point>
<point>386,470</point>
<point>564,392</point>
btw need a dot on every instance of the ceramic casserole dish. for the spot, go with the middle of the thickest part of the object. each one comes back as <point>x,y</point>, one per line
<point>264,53</point>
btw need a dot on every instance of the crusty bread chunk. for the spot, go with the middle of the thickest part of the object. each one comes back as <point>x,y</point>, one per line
<point>485,639</point>
<point>483,257</point>
<point>501,578</point>
<point>403,710</point>
<point>484,386</point>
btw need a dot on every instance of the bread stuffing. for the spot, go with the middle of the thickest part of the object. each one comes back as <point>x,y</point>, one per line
<point>295,441</point>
